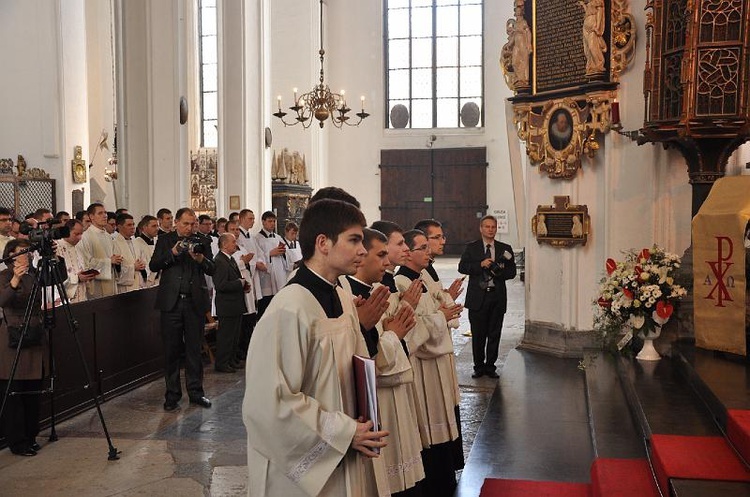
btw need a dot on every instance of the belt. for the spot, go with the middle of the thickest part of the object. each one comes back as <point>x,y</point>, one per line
<point>185,295</point>
<point>490,289</point>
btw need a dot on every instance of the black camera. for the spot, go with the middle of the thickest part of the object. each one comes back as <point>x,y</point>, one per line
<point>192,244</point>
<point>495,268</point>
<point>45,232</point>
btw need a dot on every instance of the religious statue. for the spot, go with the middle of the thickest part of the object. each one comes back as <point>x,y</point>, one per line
<point>21,165</point>
<point>514,56</point>
<point>299,168</point>
<point>289,167</point>
<point>594,45</point>
<point>577,229</point>
<point>541,225</point>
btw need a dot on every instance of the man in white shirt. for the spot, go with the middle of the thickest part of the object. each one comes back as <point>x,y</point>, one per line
<point>273,249</point>
<point>97,251</point>
<point>128,273</point>
<point>75,285</point>
<point>145,242</point>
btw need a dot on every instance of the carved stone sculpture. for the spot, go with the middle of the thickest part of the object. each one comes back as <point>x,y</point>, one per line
<point>594,46</point>
<point>514,56</point>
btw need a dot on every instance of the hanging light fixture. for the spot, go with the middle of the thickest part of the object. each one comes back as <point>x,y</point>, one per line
<point>321,103</point>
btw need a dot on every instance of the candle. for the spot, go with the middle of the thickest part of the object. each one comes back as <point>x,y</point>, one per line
<point>278,100</point>
<point>615,112</point>
<point>362,99</point>
<point>343,98</point>
<point>295,94</point>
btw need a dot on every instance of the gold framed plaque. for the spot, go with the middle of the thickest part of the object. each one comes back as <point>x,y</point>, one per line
<point>561,224</point>
<point>78,165</point>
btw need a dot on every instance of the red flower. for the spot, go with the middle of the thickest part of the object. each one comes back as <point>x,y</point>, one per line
<point>628,293</point>
<point>644,255</point>
<point>664,309</point>
<point>611,266</point>
<point>604,302</point>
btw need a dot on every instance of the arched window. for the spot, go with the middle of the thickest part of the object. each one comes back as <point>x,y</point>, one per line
<point>209,82</point>
<point>434,63</point>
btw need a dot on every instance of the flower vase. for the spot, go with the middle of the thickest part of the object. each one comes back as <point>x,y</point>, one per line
<point>648,352</point>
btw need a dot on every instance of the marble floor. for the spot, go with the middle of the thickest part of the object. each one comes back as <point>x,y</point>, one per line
<point>196,451</point>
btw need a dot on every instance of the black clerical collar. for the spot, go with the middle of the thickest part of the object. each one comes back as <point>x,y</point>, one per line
<point>411,274</point>
<point>290,244</point>
<point>245,233</point>
<point>145,238</point>
<point>323,290</point>
<point>267,234</point>
<point>431,271</point>
<point>359,287</point>
<point>389,281</point>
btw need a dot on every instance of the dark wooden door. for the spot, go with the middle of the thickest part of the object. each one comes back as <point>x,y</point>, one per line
<point>449,185</point>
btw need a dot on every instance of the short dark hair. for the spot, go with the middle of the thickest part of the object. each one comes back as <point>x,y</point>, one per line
<point>30,215</point>
<point>233,221</point>
<point>41,212</point>
<point>335,193</point>
<point>121,218</point>
<point>14,244</point>
<point>326,217</point>
<point>424,224</point>
<point>236,215</point>
<point>145,220</point>
<point>370,235</point>
<point>386,227</point>
<point>291,225</point>
<point>204,217</point>
<point>92,208</point>
<point>242,213</point>
<point>268,215</point>
<point>79,215</point>
<point>5,212</point>
<point>121,210</point>
<point>488,216</point>
<point>410,235</point>
<point>163,212</point>
<point>71,223</point>
<point>60,214</point>
<point>111,215</point>
<point>182,211</point>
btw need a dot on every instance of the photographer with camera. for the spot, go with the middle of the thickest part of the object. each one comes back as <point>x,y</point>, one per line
<point>20,422</point>
<point>489,264</point>
<point>184,260</point>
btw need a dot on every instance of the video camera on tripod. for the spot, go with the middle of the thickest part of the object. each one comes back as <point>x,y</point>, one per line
<point>192,243</point>
<point>44,234</point>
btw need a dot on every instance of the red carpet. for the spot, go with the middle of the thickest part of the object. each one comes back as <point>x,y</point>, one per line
<point>695,458</point>
<point>622,478</point>
<point>525,488</point>
<point>738,431</point>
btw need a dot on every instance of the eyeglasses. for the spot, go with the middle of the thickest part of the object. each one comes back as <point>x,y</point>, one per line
<point>417,249</point>
<point>437,237</point>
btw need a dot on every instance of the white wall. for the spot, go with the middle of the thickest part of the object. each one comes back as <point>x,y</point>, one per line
<point>355,46</point>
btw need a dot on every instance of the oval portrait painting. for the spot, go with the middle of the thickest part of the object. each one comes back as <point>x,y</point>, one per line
<point>560,130</point>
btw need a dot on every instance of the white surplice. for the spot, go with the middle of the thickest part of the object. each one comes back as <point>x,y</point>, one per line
<point>299,404</point>
<point>127,278</point>
<point>96,250</point>
<point>74,264</point>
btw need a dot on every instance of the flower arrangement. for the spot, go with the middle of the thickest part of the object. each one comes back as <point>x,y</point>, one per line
<point>639,291</point>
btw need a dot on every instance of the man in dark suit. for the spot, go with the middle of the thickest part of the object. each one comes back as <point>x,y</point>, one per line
<point>488,263</point>
<point>183,301</point>
<point>230,303</point>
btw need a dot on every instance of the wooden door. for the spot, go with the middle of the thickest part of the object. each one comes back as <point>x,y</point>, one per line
<point>449,185</point>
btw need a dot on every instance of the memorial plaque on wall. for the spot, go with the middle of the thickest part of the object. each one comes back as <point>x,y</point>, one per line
<point>559,60</point>
<point>561,224</point>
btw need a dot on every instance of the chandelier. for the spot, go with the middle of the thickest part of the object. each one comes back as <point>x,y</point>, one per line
<point>320,102</point>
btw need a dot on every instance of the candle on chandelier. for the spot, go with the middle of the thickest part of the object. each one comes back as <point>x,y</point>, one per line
<point>362,99</point>
<point>278,100</point>
<point>343,98</point>
<point>615,112</point>
<point>295,95</point>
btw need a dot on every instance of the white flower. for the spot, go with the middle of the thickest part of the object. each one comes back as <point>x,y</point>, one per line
<point>637,321</point>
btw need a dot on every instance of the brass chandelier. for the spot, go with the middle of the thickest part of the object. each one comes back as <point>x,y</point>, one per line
<point>320,102</point>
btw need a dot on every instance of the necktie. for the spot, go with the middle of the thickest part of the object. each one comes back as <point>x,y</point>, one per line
<point>487,252</point>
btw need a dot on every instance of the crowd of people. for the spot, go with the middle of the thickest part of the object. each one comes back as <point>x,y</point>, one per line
<point>293,308</point>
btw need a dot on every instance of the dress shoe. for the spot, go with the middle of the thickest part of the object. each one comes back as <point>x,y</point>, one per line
<point>225,369</point>
<point>24,451</point>
<point>477,374</point>
<point>201,401</point>
<point>35,447</point>
<point>492,374</point>
<point>171,405</point>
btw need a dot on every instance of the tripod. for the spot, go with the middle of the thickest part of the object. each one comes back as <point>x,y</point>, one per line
<point>51,274</point>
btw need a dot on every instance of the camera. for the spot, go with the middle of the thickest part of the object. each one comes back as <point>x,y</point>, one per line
<point>495,268</point>
<point>192,244</point>
<point>46,232</point>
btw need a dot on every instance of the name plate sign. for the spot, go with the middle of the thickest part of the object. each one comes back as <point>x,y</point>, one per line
<point>561,224</point>
<point>559,60</point>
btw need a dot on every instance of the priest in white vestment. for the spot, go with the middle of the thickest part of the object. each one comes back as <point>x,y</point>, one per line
<point>299,406</point>
<point>129,272</point>
<point>145,243</point>
<point>75,284</point>
<point>97,251</point>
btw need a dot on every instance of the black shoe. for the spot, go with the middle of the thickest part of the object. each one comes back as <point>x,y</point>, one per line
<point>225,369</point>
<point>171,405</point>
<point>24,451</point>
<point>492,374</point>
<point>477,374</point>
<point>35,447</point>
<point>201,401</point>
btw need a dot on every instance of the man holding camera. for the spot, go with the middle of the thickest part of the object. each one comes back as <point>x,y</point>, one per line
<point>488,263</point>
<point>184,261</point>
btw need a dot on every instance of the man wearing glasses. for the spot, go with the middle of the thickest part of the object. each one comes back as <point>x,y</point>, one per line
<point>6,223</point>
<point>436,242</point>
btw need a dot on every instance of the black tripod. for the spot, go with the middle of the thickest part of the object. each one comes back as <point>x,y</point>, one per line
<point>50,275</point>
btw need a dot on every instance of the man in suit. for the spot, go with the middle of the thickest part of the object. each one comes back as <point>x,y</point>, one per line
<point>230,290</point>
<point>183,301</point>
<point>488,263</point>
